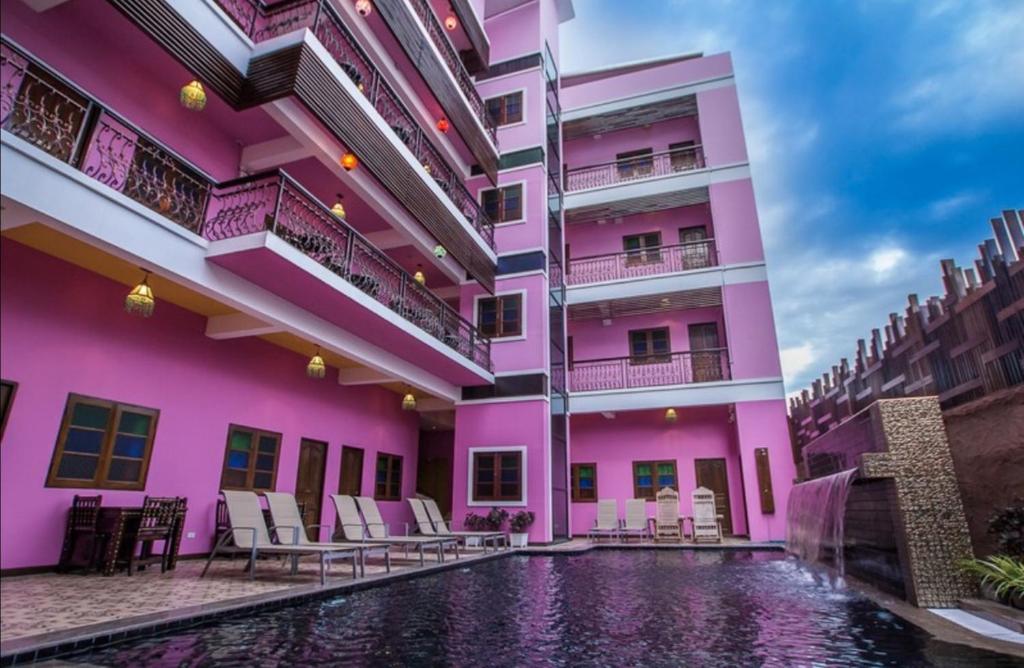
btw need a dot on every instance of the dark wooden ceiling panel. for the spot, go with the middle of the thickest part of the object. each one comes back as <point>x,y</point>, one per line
<point>633,117</point>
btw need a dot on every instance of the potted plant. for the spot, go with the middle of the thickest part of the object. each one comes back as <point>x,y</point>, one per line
<point>492,522</point>
<point>1001,576</point>
<point>518,525</point>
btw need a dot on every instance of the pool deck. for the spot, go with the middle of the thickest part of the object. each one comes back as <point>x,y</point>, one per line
<point>580,545</point>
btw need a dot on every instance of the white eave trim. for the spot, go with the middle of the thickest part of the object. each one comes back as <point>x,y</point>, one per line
<point>695,279</point>
<point>656,185</point>
<point>675,396</point>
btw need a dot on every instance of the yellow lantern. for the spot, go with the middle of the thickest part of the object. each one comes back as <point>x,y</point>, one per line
<point>450,22</point>
<point>316,367</point>
<point>339,209</point>
<point>141,300</point>
<point>193,96</point>
<point>418,276</point>
<point>671,416</point>
<point>408,402</point>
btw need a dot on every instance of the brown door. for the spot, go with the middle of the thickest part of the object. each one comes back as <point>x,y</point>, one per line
<point>711,473</point>
<point>351,480</point>
<point>706,366</point>
<point>309,486</point>
<point>434,479</point>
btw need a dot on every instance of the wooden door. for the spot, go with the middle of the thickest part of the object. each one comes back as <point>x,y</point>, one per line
<point>434,479</point>
<point>351,479</point>
<point>706,366</point>
<point>711,473</point>
<point>309,485</point>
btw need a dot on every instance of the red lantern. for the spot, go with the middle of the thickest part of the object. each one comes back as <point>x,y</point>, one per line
<point>443,125</point>
<point>349,161</point>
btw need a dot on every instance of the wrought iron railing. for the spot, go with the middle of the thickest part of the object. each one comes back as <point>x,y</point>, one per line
<point>620,373</point>
<point>42,108</point>
<point>261,22</point>
<point>635,168</point>
<point>455,66</point>
<point>642,262</point>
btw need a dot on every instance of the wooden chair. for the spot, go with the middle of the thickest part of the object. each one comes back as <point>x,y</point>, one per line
<point>666,517</point>
<point>707,523</point>
<point>83,518</point>
<point>156,524</point>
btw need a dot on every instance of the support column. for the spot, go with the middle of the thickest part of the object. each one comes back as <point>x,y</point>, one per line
<point>767,464</point>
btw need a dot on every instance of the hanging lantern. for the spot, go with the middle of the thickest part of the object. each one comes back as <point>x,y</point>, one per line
<point>140,300</point>
<point>426,168</point>
<point>440,251</point>
<point>349,161</point>
<point>316,367</point>
<point>451,22</point>
<point>671,416</point>
<point>418,276</point>
<point>339,209</point>
<point>364,7</point>
<point>193,96</point>
<point>408,402</point>
<point>443,125</point>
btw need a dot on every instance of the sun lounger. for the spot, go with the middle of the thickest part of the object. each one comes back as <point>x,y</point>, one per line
<point>248,535</point>
<point>607,522</point>
<point>289,530</point>
<point>636,520</point>
<point>442,528</point>
<point>355,529</point>
<point>378,530</point>
<point>423,523</point>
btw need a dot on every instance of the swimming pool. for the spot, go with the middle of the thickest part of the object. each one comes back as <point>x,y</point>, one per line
<point>603,608</point>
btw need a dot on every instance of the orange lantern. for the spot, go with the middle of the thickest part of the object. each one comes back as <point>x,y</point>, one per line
<point>349,161</point>
<point>443,125</point>
<point>451,22</point>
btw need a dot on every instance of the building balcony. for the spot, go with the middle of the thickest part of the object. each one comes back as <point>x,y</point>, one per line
<point>37,106</point>
<point>262,22</point>
<point>642,263</point>
<point>651,166</point>
<point>620,373</point>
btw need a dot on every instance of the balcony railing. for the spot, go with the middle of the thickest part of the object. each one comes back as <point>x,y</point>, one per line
<point>642,262</point>
<point>42,108</point>
<point>455,66</point>
<point>262,22</point>
<point>621,373</point>
<point>635,169</point>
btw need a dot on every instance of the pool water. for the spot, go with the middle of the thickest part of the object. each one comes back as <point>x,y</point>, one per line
<point>604,608</point>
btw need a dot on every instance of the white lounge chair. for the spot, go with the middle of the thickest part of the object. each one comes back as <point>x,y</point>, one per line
<point>636,523</point>
<point>371,528</point>
<point>288,528</point>
<point>707,523</point>
<point>425,526</point>
<point>442,528</point>
<point>666,517</point>
<point>248,535</point>
<point>607,522</point>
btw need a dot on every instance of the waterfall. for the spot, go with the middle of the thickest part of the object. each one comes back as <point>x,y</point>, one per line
<point>814,518</point>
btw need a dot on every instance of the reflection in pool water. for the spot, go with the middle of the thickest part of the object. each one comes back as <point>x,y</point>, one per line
<point>604,608</point>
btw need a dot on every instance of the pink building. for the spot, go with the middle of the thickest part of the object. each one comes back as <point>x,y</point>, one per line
<point>510,275</point>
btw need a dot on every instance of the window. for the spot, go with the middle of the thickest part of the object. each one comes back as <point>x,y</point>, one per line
<point>683,156</point>
<point>696,252</point>
<point>7,390</point>
<point>498,476</point>
<point>705,355</point>
<point>500,316</point>
<point>649,477</point>
<point>647,346</point>
<point>635,164</point>
<point>388,479</point>
<point>250,461</point>
<point>584,482</point>
<point>642,248</point>
<point>503,205</point>
<point>103,444</point>
<point>506,109</point>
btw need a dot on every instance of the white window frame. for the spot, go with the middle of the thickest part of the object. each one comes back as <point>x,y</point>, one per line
<point>522,502</point>
<point>522,315</point>
<point>511,91</point>
<point>518,221</point>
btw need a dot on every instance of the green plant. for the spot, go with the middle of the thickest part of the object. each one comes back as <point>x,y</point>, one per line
<point>492,521</point>
<point>1003,573</point>
<point>1008,526</point>
<point>521,521</point>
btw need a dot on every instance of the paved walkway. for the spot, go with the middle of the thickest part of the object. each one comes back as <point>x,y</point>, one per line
<point>577,545</point>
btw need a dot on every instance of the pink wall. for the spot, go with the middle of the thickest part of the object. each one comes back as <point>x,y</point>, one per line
<point>518,135</point>
<point>753,347</point>
<point>700,433</point>
<point>660,77</point>
<point>532,234</point>
<point>587,239</point>
<point>517,354</point>
<point>593,340</point>
<point>146,96</point>
<point>657,136</point>
<point>721,126</point>
<point>737,232</point>
<point>64,330</point>
<point>762,424</point>
<point>519,423</point>
<point>514,33</point>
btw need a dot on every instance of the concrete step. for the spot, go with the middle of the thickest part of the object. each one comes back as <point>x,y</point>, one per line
<point>997,613</point>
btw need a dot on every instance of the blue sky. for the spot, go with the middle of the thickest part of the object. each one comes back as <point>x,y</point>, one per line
<point>883,135</point>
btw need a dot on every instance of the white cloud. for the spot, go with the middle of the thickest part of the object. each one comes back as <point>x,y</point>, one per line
<point>884,260</point>
<point>947,207</point>
<point>796,360</point>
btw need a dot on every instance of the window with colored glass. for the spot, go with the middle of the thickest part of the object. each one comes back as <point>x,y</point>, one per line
<point>103,444</point>
<point>584,482</point>
<point>642,248</point>
<point>251,459</point>
<point>649,477</point>
<point>388,480</point>
<point>503,205</point>
<point>500,316</point>
<point>506,109</point>
<point>498,476</point>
